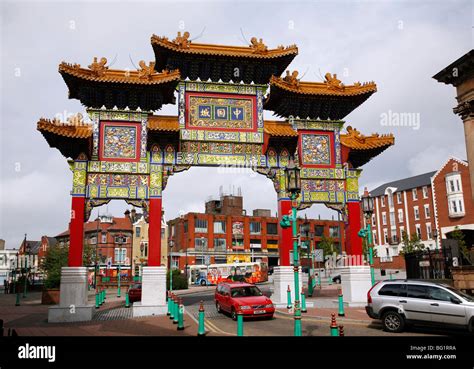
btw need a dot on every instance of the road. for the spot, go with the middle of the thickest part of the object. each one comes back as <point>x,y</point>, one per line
<point>282,324</point>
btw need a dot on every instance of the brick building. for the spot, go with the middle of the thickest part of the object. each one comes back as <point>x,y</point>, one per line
<point>226,234</point>
<point>112,237</point>
<point>429,204</point>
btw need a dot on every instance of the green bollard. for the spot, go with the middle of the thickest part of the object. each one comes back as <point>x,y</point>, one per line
<point>288,294</point>
<point>180,315</point>
<point>127,300</point>
<point>240,323</point>
<point>176,310</point>
<point>102,298</point>
<point>329,280</point>
<point>341,304</point>
<point>17,303</point>
<point>96,300</point>
<point>105,294</point>
<point>171,306</point>
<point>334,329</point>
<point>303,302</point>
<point>201,329</point>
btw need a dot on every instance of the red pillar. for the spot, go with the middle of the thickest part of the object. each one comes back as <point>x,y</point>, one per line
<point>285,244</point>
<point>154,232</point>
<point>353,241</point>
<point>76,231</point>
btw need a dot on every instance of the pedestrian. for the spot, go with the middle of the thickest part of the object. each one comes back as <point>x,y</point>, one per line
<point>5,286</point>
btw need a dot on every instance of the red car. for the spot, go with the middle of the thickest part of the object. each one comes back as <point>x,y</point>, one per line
<point>135,293</point>
<point>234,296</point>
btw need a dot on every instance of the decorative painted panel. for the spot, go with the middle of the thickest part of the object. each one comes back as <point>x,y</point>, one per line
<point>219,111</point>
<point>79,177</point>
<point>117,167</point>
<point>120,141</point>
<point>316,148</point>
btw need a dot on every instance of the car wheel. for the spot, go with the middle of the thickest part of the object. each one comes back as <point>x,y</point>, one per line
<point>218,308</point>
<point>233,314</point>
<point>393,322</point>
<point>203,283</point>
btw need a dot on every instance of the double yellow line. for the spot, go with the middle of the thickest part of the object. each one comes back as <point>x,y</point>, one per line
<point>308,318</point>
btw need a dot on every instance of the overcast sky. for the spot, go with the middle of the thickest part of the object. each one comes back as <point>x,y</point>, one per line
<point>399,45</point>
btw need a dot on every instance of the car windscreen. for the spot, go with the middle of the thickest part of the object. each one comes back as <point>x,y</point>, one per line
<point>247,291</point>
<point>462,294</point>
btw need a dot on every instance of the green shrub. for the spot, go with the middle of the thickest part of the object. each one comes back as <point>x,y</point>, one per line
<point>179,280</point>
<point>56,258</point>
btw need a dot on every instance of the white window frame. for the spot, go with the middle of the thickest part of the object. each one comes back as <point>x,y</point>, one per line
<point>382,201</point>
<point>104,237</point>
<point>416,210</point>
<point>400,212</point>
<point>429,231</point>
<point>384,218</point>
<point>427,211</point>
<point>418,230</point>
<point>385,235</point>
<point>399,197</point>
<point>414,194</point>
<point>425,192</point>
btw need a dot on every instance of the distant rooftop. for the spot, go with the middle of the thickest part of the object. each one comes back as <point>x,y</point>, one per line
<point>405,183</point>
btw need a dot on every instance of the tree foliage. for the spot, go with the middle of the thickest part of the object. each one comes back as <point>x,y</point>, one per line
<point>55,259</point>
<point>458,235</point>
<point>411,244</point>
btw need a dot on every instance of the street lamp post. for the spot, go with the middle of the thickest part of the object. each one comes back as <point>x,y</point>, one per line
<point>171,243</point>
<point>25,275</point>
<point>119,264</point>
<point>368,209</point>
<point>293,186</point>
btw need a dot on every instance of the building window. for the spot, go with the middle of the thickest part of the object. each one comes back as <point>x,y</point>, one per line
<point>373,220</point>
<point>334,231</point>
<point>200,244</point>
<point>119,255</point>
<point>399,197</point>
<point>400,215</point>
<point>255,244</point>
<point>394,238</point>
<point>385,235</point>
<point>272,245</point>
<point>200,226</point>
<point>416,211</point>
<point>172,231</point>
<point>418,230</point>
<point>390,199</point>
<point>104,237</point>
<point>429,232</point>
<point>272,228</point>
<point>414,193</point>
<point>392,218</point>
<point>219,226</point>
<point>255,227</point>
<point>384,218</point>
<point>318,230</point>
<point>425,192</point>
<point>93,240</point>
<point>120,239</point>
<point>185,226</point>
<point>137,231</point>
<point>219,244</point>
<point>374,236</point>
<point>162,232</point>
<point>453,183</point>
<point>382,201</point>
<point>427,211</point>
<point>401,230</point>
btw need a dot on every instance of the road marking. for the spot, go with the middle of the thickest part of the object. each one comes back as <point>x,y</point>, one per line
<point>322,320</point>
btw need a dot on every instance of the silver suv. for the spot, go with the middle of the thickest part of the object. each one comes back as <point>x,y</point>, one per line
<point>397,302</point>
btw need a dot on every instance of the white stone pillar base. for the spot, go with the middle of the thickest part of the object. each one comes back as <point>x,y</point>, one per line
<point>73,305</point>
<point>282,277</point>
<point>355,283</point>
<point>153,293</point>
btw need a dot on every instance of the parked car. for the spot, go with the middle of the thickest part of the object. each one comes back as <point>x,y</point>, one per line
<point>231,297</point>
<point>398,302</point>
<point>337,279</point>
<point>135,292</point>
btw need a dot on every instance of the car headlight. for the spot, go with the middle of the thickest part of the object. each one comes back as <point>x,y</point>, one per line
<point>269,305</point>
<point>245,307</point>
